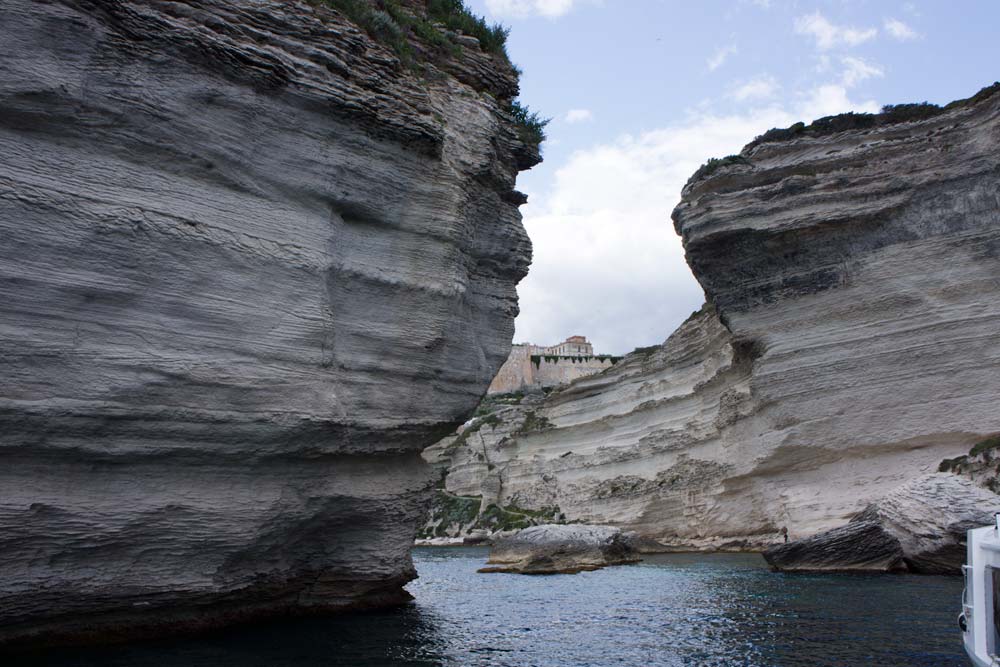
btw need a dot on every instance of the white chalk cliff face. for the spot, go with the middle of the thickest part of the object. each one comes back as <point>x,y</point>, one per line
<point>251,266</point>
<point>852,344</point>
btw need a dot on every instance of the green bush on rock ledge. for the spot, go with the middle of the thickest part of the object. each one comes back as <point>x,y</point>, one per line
<point>454,516</point>
<point>456,16</point>
<point>981,460</point>
<point>389,23</point>
<point>496,518</point>
<point>985,445</point>
<point>531,126</point>
<point>449,510</point>
<point>491,420</point>
<point>533,423</point>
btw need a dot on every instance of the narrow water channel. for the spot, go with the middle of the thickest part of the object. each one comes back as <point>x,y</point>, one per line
<point>683,610</point>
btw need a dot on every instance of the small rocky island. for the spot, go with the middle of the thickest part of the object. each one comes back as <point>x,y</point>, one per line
<point>561,549</point>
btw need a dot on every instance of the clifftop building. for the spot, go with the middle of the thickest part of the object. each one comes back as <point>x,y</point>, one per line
<point>574,346</point>
<point>535,367</point>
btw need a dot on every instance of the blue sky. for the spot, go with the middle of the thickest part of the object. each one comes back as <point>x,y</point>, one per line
<point>641,92</point>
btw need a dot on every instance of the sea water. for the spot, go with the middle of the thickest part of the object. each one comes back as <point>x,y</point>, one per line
<point>678,609</point>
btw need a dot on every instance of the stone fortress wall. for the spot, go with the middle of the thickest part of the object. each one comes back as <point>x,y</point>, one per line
<point>536,367</point>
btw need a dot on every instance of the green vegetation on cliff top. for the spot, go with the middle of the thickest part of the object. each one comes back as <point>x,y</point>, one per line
<point>890,114</point>
<point>390,23</point>
<point>709,167</point>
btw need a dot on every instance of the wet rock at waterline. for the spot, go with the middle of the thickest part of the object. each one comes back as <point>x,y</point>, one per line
<point>561,549</point>
<point>918,527</point>
<point>252,264</point>
<point>859,545</point>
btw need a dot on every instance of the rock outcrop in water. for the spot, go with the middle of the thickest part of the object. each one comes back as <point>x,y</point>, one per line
<point>852,343</point>
<point>556,549</point>
<point>252,264</point>
<point>918,527</point>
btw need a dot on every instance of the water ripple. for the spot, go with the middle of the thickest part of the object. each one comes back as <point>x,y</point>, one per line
<point>670,611</point>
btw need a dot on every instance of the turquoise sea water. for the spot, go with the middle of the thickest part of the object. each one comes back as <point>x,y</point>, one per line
<point>683,610</point>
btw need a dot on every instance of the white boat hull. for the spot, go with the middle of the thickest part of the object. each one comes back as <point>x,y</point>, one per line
<point>980,617</point>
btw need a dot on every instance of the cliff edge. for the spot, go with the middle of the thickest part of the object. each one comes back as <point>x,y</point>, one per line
<point>254,261</point>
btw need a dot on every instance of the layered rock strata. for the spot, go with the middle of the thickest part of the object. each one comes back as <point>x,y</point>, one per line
<point>468,506</point>
<point>556,549</point>
<point>919,527</point>
<point>252,264</point>
<point>851,344</point>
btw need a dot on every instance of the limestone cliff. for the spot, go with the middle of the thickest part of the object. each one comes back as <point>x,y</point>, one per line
<point>852,342</point>
<point>252,264</point>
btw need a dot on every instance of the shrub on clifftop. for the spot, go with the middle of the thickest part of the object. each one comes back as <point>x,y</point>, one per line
<point>890,114</point>
<point>530,124</point>
<point>390,23</point>
<point>398,27</point>
<point>456,16</point>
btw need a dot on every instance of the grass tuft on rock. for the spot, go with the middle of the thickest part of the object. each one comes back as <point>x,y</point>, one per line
<point>646,351</point>
<point>533,423</point>
<point>953,465</point>
<point>490,420</point>
<point>449,510</point>
<point>989,444</point>
<point>714,164</point>
<point>494,402</point>
<point>496,518</point>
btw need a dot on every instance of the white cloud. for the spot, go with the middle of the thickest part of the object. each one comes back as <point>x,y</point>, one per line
<point>857,70</point>
<point>829,35</point>
<point>720,56</point>
<point>524,8</point>
<point>900,30</point>
<point>579,115</point>
<point>607,263</point>
<point>760,88</point>
<point>831,99</point>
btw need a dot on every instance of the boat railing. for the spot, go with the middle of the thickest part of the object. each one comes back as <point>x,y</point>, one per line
<point>966,602</point>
